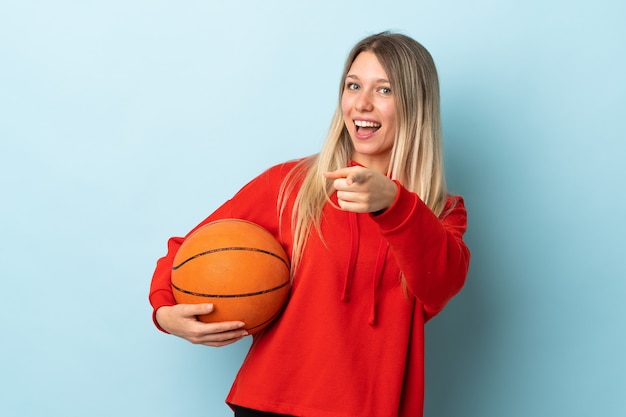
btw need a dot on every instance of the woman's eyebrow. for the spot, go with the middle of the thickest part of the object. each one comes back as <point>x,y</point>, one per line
<point>379,80</point>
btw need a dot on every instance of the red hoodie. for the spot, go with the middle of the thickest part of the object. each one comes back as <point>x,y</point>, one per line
<point>350,342</point>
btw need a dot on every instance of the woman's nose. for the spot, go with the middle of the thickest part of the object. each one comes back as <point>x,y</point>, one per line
<point>364,102</point>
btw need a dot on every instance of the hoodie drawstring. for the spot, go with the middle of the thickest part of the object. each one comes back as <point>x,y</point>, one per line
<point>383,247</point>
<point>377,274</point>
<point>354,248</point>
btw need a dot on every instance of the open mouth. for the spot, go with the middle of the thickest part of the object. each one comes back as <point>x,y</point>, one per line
<point>366,127</point>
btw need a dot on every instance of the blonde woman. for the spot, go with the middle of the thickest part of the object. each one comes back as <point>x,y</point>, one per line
<point>376,245</point>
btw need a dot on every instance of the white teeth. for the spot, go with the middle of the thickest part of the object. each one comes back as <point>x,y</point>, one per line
<point>363,123</point>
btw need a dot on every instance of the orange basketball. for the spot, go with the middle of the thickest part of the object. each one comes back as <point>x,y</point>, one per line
<point>237,266</point>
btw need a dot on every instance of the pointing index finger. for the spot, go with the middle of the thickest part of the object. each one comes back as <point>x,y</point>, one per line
<point>351,174</point>
<point>333,175</point>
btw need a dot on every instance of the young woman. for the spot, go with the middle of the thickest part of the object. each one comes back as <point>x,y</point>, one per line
<point>376,245</point>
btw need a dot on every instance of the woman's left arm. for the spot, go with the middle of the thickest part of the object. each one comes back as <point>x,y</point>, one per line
<point>429,250</point>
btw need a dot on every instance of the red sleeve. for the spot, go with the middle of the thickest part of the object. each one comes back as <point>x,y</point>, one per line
<point>160,288</point>
<point>429,250</point>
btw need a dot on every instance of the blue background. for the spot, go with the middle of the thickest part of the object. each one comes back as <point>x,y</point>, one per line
<point>123,123</point>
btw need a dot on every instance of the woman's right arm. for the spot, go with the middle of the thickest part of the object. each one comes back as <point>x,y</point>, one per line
<point>256,202</point>
<point>182,319</point>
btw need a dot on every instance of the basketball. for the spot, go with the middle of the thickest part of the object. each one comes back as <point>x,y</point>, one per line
<point>236,265</point>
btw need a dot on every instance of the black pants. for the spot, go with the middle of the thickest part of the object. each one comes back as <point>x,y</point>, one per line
<point>246,412</point>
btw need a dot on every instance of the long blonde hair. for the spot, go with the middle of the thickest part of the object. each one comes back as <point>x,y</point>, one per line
<point>416,158</point>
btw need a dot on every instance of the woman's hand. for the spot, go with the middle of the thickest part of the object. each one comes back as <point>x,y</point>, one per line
<point>181,320</point>
<point>363,190</point>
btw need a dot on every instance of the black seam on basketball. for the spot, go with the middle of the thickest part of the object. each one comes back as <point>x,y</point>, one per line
<point>242,248</point>
<point>251,294</point>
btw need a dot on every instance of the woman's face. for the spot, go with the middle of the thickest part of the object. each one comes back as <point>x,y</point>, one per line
<point>369,112</point>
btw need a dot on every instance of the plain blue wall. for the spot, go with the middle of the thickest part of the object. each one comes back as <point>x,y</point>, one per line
<point>125,122</point>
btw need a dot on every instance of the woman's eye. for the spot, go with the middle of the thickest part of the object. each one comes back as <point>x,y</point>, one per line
<point>385,90</point>
<point>352,86</point>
